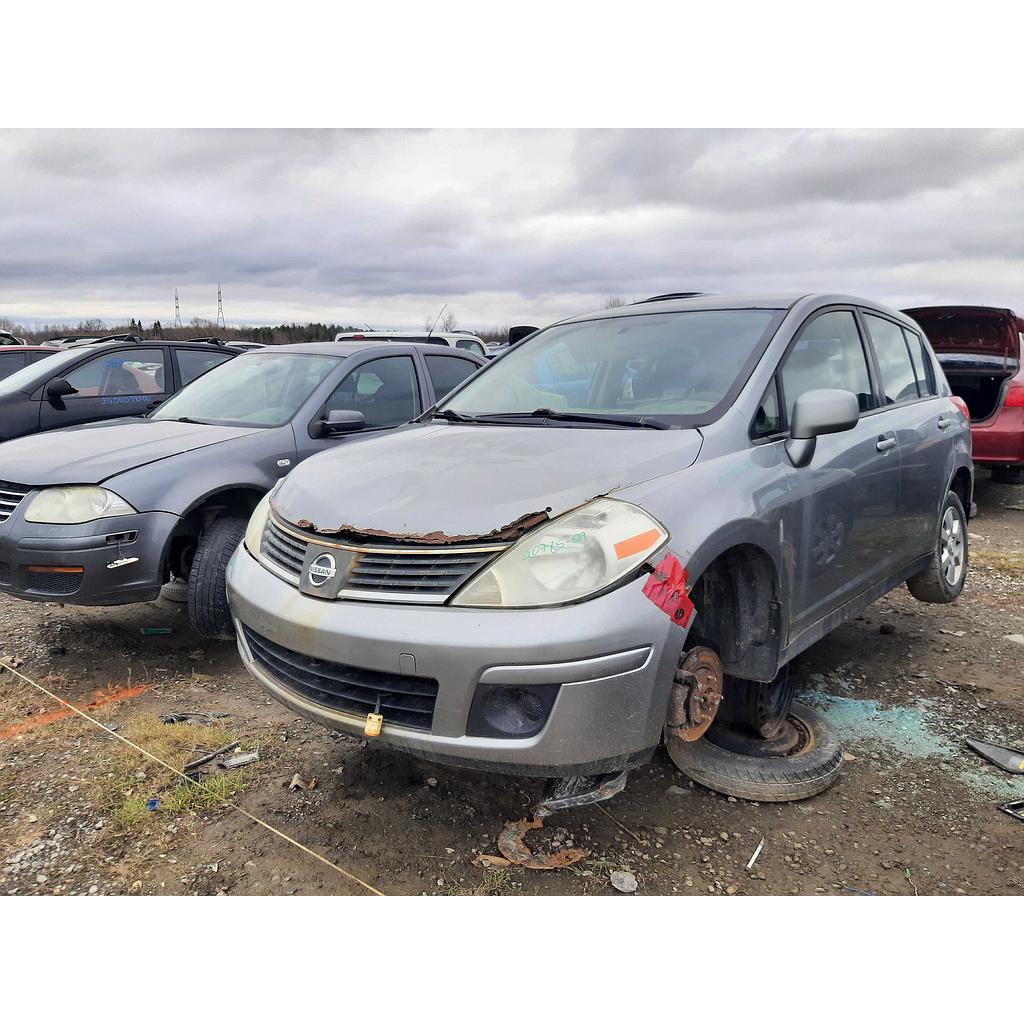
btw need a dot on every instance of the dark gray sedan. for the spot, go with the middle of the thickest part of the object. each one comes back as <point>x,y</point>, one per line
<point>107,513</point>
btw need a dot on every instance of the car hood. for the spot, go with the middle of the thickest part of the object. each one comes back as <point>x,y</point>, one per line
<point>446,483</point>
<point>94,452</point>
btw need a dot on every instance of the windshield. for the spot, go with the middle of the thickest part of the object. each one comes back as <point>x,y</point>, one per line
<point>31,376</point>
<point>255,390</point>
<point>681,368</point>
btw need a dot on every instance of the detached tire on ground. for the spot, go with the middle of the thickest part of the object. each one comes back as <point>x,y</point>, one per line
<point>207,595</point>
<point>809,771</point>
<point>944,578</point>
<point>175,591</point>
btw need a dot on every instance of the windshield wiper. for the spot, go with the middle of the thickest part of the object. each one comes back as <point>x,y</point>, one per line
<point>188,419</point>
<point>586,417</point>
<point>456,417</point>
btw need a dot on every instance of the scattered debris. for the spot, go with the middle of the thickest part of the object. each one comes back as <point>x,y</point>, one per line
<point>298,782</point>
<point>678,791</point>
<point>1015,638</point>
<point>239,759</point>
<point>847,756</point>
<point>1015,809</point>
<point>1010,759</point>
<point>910,878</point>
<point>954,632</point>
<point>152,804</point>
<point>515,852</point>
<point>207,758</point>
<point>200,717</point>
<point>757,851</point>
<point>886,629</point>
<point>156,631</point>
<point>859,892</point>
<point>624,881</point>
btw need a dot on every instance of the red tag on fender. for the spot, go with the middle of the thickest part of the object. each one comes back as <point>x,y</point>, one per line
<point>667,589</point>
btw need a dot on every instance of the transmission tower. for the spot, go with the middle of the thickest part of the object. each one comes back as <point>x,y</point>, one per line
<point>220,309</point>
<point>177,310</point>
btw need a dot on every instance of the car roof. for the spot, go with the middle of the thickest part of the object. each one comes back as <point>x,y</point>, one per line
<point>346,348</point>
<point>29,348</point>
<point>719,302</point>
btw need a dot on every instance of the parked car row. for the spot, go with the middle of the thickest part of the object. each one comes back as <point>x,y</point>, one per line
<point>619,530</point>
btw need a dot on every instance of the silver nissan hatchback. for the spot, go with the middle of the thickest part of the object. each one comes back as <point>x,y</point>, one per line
<point>620,531</point>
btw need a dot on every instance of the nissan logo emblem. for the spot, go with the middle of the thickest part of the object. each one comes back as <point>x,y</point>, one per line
<point>322,569</point>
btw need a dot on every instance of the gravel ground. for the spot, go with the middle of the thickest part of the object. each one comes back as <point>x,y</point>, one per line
<point>913,813</point>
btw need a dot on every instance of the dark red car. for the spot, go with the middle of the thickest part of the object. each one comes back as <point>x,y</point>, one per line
<point>979,348</point>
<point>17,357</point>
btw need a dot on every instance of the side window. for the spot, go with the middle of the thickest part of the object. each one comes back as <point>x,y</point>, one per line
<point>447,372</point>
<point>138,372</point>
<point>899,381</point>
<point>195,364</point>
<point>922,364</point>
<point>470,345</point>
<point>828,354</point>
<point>10,362</point>
<point>768,420</point>
<point>383,390</point>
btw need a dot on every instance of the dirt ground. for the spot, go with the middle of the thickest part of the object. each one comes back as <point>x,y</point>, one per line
<point>914,811</point>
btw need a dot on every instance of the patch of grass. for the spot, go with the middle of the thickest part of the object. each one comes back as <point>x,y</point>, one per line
<point>1004,560</point>
<point>495,883</point>
<point>133,779</point>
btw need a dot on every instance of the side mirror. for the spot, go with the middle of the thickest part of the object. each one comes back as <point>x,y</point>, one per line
<point>518,333</point>
<point>823,411</point>
<point>59,387</point>
<point>342,421</point>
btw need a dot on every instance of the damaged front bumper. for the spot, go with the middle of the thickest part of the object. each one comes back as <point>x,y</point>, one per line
<point>592,679</point>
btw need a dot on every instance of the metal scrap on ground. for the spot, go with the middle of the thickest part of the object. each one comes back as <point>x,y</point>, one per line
<point>516,854</point>
<point>1010,759</point>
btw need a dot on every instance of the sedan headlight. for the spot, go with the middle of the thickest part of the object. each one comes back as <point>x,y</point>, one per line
<point>79,504</point>
<point>257,522</point>
<point>570,558</point>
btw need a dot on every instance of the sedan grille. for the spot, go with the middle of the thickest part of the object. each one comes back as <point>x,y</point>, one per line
<point>382,573</point>
<point>402,700</point>
<point>11,496</point>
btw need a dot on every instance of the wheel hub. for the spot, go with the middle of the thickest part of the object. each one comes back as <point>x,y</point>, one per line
<point>696,694</point>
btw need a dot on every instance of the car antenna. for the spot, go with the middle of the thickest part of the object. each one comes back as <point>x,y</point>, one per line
<point>436,318</point>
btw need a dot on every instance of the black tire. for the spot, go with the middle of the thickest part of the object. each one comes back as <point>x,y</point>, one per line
<point>765,779</point>
<point>176,591</point>
<point>1008,474</point>
<point>933,585</point>
<point>207,595</point>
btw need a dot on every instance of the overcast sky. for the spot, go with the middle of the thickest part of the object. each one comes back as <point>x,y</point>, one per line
<point>504,226</point>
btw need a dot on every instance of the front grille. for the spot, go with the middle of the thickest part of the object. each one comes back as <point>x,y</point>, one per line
<point>403,700</point>
<point>11,496</point>
<point>282,548</point>
<point>56,584</point>
<point>438,572</point>
<point>380,572</point>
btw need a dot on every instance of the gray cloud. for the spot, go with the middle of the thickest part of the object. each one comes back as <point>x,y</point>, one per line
<point>504,226</point>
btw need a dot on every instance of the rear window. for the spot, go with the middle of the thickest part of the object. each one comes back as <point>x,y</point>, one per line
<point>195,364</point>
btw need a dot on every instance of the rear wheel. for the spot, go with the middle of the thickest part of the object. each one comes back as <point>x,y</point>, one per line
<point>207,593</point>
<point>1008,474</point>
<point>945,576</point>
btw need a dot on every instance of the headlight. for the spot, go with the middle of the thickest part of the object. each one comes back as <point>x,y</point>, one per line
<point>258,520</point>
<point>76,505</point>
<point>571,557</point>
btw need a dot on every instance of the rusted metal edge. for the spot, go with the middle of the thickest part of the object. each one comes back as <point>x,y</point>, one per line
<point>509,532</point>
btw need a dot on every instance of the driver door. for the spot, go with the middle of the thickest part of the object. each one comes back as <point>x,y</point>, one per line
<point>126,382</point>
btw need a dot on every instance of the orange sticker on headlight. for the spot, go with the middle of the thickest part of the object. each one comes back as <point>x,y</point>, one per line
<point>634,545</point>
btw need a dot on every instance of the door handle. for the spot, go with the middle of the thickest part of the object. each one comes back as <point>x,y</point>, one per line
<point>944,422</point>
<point>883,444</point>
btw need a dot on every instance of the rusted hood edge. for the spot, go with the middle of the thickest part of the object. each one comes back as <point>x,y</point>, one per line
<point>511,531</point>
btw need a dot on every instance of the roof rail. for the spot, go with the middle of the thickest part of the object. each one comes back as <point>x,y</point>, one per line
<point>205,341</point>
<point>670,295</point>
<point>132,339</point>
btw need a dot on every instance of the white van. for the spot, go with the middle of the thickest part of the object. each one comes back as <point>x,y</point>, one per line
<point>453,339</point>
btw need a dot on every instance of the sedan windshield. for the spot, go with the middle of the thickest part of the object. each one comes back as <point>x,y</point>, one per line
<point>256,390</point>
<point>668,368</point>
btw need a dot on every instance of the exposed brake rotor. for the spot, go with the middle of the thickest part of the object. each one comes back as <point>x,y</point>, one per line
<point>696,694</point>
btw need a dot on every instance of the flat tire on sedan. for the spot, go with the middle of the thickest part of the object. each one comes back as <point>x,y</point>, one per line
<point>208,609</point>
<point>944,578</point>
<point>808,770</point>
